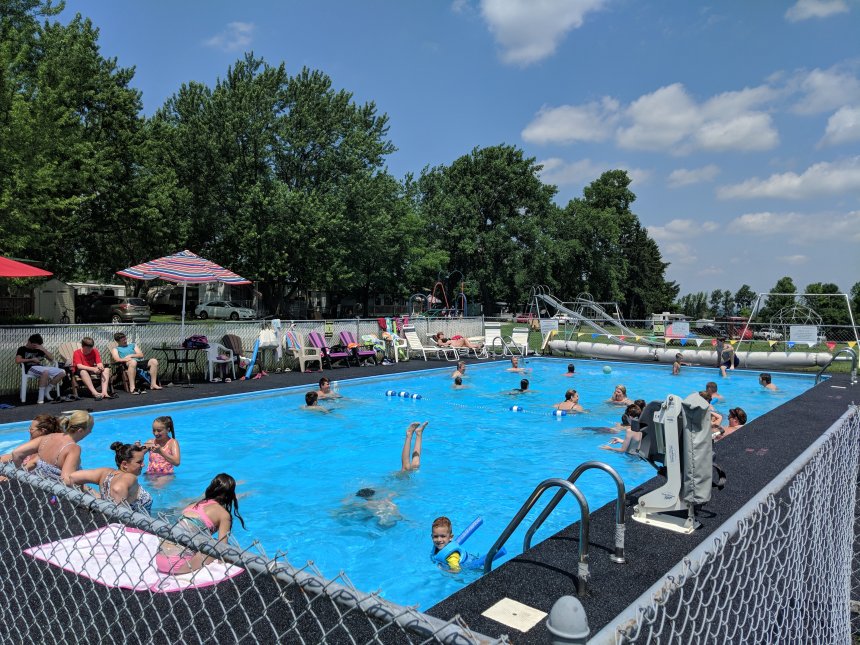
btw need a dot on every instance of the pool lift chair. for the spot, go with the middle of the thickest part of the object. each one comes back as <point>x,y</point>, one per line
<point>676,440</point>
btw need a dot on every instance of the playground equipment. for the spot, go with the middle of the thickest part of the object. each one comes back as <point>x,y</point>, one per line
<point>455,308</point>
<point>585,311</point>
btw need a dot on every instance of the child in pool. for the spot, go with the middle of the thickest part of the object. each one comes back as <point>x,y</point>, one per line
<point>312,403</point>
<point>213,514</point>
<point>442,533</point>
<point>163,448</point>
<point>412,462</point>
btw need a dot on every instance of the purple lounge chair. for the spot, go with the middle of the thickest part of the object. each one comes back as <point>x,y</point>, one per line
<point>329,355</point>
<point>359,353</point>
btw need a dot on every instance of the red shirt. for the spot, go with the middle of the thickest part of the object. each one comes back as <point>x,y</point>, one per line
<point>79,358</point>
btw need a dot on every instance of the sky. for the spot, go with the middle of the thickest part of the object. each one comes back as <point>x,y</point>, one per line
<point>738,120</point>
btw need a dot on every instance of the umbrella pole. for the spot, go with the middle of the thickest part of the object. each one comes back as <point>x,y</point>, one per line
<point>182,326</point>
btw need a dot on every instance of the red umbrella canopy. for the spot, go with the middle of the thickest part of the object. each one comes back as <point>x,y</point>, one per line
<point>12,269</point>
<point>183,268</point>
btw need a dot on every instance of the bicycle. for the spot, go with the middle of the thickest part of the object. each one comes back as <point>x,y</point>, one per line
<point>64,319</point>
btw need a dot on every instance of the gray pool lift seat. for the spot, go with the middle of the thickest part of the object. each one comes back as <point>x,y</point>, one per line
<point>676,440</point>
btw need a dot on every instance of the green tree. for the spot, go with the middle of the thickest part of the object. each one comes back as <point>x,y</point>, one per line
<point>486,209</point>
<point>728,303</point>
<point>855,300</point>
<point>716,302</point>
<point>642,287</point>
<point>744,299</point>
<point>775,303</point>
<point>693,305</point>
<point>832,309</point>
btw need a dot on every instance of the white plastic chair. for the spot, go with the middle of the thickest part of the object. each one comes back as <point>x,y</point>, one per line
<point>26,376</point>
<point>294,346</point>
<point>212,359</point>
<point>518,344</point>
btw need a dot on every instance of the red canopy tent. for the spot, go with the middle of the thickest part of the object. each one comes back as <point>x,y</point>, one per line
<point>13,269</point>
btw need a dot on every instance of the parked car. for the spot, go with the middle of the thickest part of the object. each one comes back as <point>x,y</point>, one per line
<point>114,309</point>
<point>223,309</point>
<point>524,318</point>
<point>767,334</point>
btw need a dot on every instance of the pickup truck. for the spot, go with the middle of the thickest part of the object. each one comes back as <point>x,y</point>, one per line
<point>767,334</point>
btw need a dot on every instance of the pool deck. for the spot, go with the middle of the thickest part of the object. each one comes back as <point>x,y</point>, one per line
<point>751,457</point>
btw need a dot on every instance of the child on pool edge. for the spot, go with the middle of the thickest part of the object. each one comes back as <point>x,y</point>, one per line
<point>442,533</point>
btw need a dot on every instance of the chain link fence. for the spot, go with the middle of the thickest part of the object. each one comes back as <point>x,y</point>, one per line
<point>104,587</point>
<point>153,335</point>
<point>778,571</point>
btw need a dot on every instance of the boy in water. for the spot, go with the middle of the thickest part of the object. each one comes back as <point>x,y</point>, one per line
<point>765,381</point>
<point>571,370</point>
<point>676,366</point>
<point>458,383</point>
<point>325,391</point>
<point>524,386</point>
<point>460,372</point>
<point>442,533</point>
<point>312,403</point>
<point>515,365</point>
<point>412,462</point>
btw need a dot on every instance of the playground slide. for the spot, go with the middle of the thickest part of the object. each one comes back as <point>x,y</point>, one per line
<point>599,313</point>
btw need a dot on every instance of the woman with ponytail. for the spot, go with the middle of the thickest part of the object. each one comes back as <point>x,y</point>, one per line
<point>57,452</point>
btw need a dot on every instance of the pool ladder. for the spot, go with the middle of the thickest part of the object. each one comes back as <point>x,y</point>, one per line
<point>505,346</point>
<point>568,486</point>
<point>846,350</point>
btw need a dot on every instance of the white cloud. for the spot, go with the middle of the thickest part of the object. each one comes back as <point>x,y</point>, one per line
<point>236,36</point>
<point>569,123</point>
<point>825,178</point>
<point>686,177</point>
<point>530,30</point>
<point>753,131</point>
<point>561,173</point>
<point>459,6</point>
<point>681,229</point>
<point>843,126</point>
<point>823,90</point>
<point>667,119</point>
<point>801,228</point>
<point>678,253</point>
<point>793,259</point>
<point>806,9</point>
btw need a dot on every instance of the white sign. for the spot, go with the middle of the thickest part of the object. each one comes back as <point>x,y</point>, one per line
<point>678,330</point>
<point>547,325</point>
<point>803,334</point>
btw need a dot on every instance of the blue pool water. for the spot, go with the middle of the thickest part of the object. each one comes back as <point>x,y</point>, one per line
<point>299,471</point>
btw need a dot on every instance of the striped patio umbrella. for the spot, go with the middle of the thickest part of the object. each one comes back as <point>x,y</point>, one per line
<point>183,268</point>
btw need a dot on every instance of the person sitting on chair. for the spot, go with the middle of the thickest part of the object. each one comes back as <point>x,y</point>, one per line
<point>132,357</point>
<point>87,362</point>
<point>31,356</point>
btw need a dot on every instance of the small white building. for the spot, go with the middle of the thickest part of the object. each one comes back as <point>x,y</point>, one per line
<point>53,299</point>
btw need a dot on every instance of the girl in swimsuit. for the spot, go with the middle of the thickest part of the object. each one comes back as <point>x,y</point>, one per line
<point>118,484</point>
<point>163,448</point>
<point>57,453</point>
<point>213,514</point>
<point>454,341</point>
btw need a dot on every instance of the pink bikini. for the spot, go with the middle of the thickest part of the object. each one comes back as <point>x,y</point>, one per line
<point>158,465</point>
<point>172,556</point>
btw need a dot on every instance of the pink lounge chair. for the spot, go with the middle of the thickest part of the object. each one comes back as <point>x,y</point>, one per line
<point>329,355</point>
<point>359,352</point>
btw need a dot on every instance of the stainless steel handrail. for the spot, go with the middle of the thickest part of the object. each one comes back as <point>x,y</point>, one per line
<point>553,482</point>
<point>833,358</point>
<point>620,506</point>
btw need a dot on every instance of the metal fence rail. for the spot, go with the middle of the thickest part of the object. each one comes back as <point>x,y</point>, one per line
<point>778,571</point>
<point>153,335</point>
<point>272,601</point>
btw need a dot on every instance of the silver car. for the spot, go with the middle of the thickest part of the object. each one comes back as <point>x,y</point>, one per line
<point>223,309</point>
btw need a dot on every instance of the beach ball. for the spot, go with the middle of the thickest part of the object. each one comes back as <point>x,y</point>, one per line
<point>607,369</point>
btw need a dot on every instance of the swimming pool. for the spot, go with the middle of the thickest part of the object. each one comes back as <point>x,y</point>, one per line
<point>299,471</point>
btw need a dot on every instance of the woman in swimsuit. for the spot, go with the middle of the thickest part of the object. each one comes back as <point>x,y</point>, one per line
<point>570,403</point>
<point>213,514</point>
<point>118,484</point>
<point>454,341</point>
<point>632,438</point>
<point>57,453</point>
<point>619,396</point>
<point>163,448</point>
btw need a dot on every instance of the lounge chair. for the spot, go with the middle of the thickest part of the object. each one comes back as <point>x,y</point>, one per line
<point>25,376</point>
<point>359,353</point>
<point>493,338</point>
<point>67,352</point>
<point>518,342</point>
<point>417,347</point>
<point>330,356</point>
<point>295,347</point>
